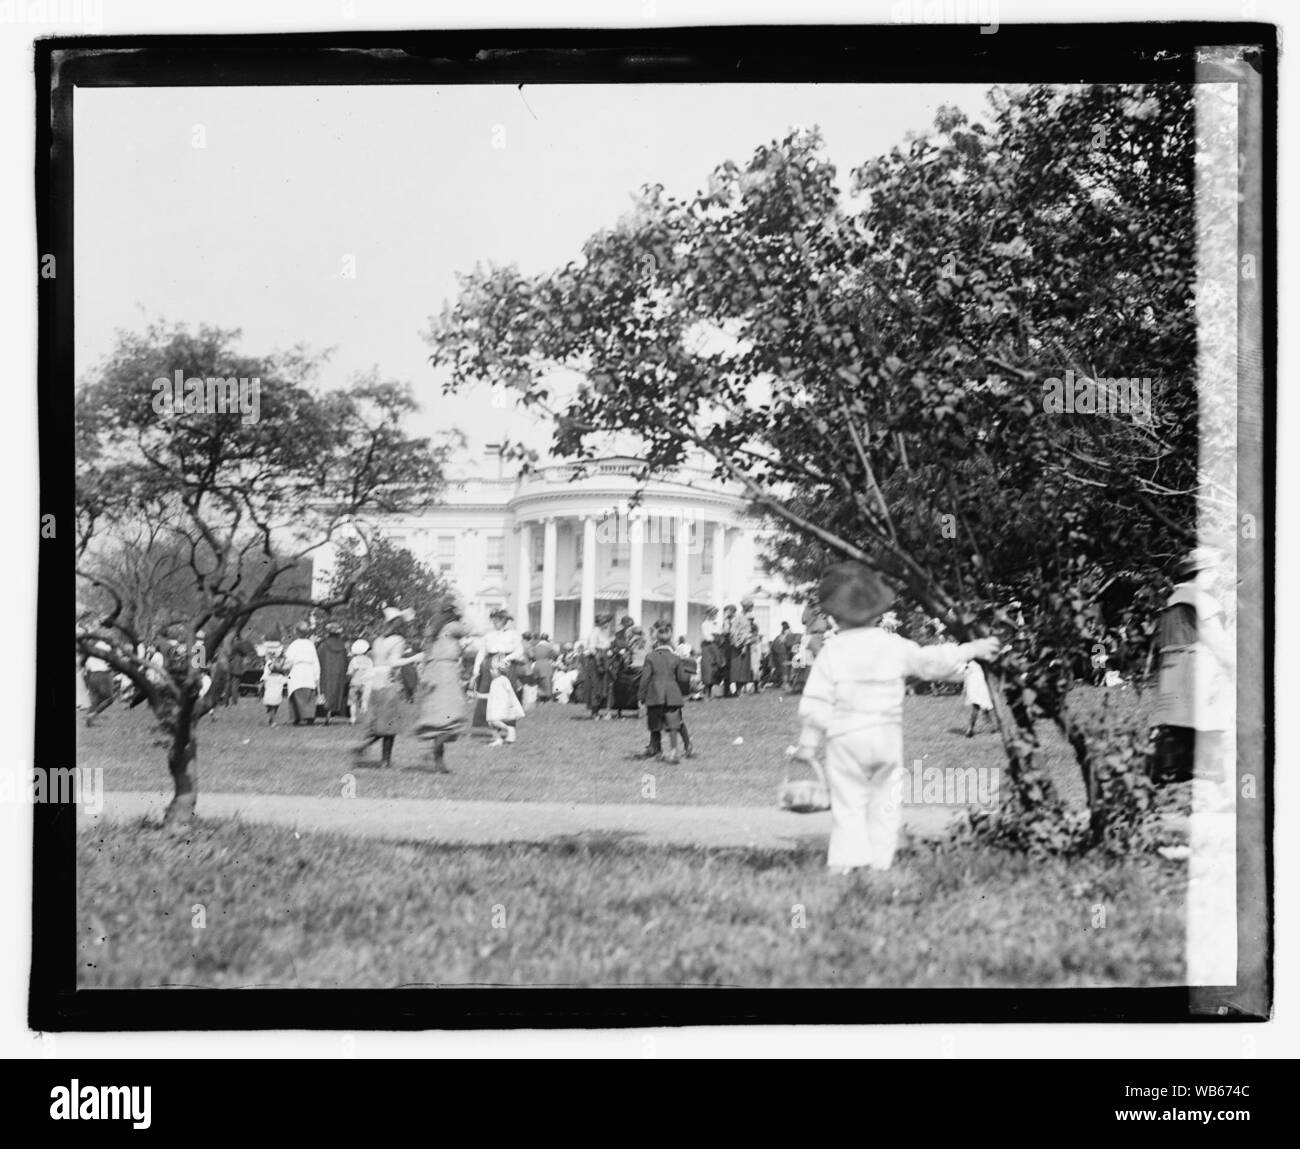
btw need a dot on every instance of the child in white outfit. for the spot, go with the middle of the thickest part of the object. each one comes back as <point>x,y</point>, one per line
<point>502,704</point>
<point>854,701</point>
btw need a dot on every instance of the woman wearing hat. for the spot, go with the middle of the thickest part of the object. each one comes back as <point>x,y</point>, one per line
<point>596,665</point>
<point>442,716</point>
<point>389,711</point>
<point>332,652</point>
<point>304,675</point>
<point>1194,699</point>
<point>711,657</point>
<point>502,640</point>
<point>741,634</point>
<point>625,669</point>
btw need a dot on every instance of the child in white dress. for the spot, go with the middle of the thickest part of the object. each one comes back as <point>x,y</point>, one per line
<point>853,701</point>
<point>359,667</point>
<point>503,706</point>
<point>275,682</point>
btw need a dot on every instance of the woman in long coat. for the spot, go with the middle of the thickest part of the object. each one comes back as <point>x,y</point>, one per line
<point>741,633</point>
<point>332,653</point>
<point>712,658</point>
<point>596,665</point>
<point>629,650</point>
<point>1194,696</point>
<point>389,714</point>
<point>443,706</point>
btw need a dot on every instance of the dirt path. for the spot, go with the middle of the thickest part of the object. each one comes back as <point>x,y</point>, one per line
<point>479,823</point>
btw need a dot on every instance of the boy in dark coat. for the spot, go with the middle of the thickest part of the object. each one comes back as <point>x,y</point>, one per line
<point>664,684</point>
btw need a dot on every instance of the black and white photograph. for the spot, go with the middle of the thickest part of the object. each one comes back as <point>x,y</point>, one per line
<point>698,510</point>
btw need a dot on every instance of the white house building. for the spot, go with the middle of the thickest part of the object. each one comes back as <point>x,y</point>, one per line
<point>560,544</point>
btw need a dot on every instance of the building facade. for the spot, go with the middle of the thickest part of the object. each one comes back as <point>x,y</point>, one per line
<point>561,544</point>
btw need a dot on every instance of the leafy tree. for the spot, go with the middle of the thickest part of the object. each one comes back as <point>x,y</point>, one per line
<point>384,575</point>
<point>875,375</point>
<point>223,488</point>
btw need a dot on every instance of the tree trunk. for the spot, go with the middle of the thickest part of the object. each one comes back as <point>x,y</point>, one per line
<point>1032,788</point>
<point>182,760</point>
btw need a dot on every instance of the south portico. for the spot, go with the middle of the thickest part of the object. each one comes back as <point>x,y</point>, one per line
<point>560,544</point>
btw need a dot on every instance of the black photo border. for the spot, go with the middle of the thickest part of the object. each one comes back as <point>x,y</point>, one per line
<point>866,54</point>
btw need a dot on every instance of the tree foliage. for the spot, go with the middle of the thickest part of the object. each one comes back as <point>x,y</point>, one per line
<point>237,502</point>
<point>873,368</point>
<point>384,575</point>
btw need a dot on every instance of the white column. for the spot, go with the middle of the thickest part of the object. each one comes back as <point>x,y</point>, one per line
<point>547,625</point>
<point>587,609</point>
<point>636,565</point>
<point>524,587</point>
<point>719,565</point>
<point>681,599</point>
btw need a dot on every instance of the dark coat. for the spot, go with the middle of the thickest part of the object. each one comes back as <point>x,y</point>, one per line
<point>661,679</point>
<point>332,652</point>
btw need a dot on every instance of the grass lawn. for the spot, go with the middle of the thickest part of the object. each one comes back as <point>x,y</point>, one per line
<point>561,755</point>
<point>323,911</point>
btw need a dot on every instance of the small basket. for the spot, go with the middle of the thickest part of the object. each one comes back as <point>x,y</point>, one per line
<point>803,795</point>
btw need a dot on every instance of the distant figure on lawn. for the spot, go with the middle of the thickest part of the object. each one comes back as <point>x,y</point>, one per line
<point>664,682</point>
<point>596,665</point>
<point>501,705</point>
<point>275,680</point>
<point>332,652</point>
<point>390,713</point>
<point>624,665</point>
<point>241,652</point>
<point>853,701</point>
<point>100,686</point>
<point>443,716</point>
<point>304,675</point>
<point>503,640</point>
<point>975,694</point>
<point>544,656</point>
<point>741,636</point>
<point>782,654</point>
<point>1194,696</point>
<point>713,658</point>
<point>360,664</point>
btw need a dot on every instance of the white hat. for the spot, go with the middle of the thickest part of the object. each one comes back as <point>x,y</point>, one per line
<point>360,646</point>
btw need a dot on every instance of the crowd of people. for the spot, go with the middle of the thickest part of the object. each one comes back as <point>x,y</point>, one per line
<point>850,666</point>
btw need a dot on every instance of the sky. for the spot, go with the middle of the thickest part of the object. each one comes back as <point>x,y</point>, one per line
<point>412,184</point>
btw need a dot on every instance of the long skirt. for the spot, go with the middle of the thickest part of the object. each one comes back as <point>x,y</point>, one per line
<point>390,713</point>
<point>626,687</point>
<point>302,703</point>
<point>596,682</point>
<point>741,665</point>
<point>711,663</point>
<point>442,713</point>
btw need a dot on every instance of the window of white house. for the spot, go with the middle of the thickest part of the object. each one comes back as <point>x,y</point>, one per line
<point>578,542</point>
<point>761,565</point>
<point>446,552</point>
<point>706,551</point>
<point>620,554</point>
<point>667,537</point>
<point>496,553</point>
<point>538,544</point>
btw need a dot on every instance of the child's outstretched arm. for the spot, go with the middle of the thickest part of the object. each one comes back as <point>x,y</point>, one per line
<point>944,659</point>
